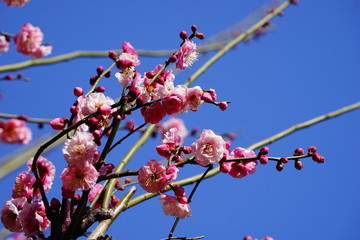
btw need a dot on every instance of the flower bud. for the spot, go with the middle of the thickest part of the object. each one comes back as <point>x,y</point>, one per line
<point>73,110</point>
<point>284,159</point>
<point>96,133</point>
<point>67,193</point>
<point>193,28</point>
<point>182,200</point>
<point>264,151</point>
<point>57,124</point>
<point>183,35</point>
<point>200,36</point>
<point>100,70</point>
<point>8,77</point>
<point>105,110</point>
<point>108,74</point>
<point>127,180</point>
<point>263,159</point>
<point>223,106</point>
<point>112,55</point>
<point>78,91</point>
<point>247,238</point>
<point>317,158</point>
<point>100,89</point>
<point>55,204</point>
<point>311,149</point>
<point>298,164</point>
<point>298,152</point>
<point>279,166</point>
<point>173,58</point>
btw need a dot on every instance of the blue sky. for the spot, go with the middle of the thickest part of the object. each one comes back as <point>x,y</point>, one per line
<point>306,66</point>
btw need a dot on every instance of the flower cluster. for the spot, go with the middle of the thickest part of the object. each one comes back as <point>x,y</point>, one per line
<point>15,131</point>
<point>22,213</point>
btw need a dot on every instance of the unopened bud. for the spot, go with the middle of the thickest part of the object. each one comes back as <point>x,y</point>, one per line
<point>100,70</point>
<point>311,149</point>
<point>172,59</point>
<point>317,158</point>
<point>73,110</point>
<point>183,35</point>
<point>279,166</point>
<point>100,89</point>
<point>298,164</point>
<point>57,124</point>
<point>108,74</point>
<point>78,91</point>
<point>96,133</point>
<point>223,106</point>
<point>193,28</point>
<point>298,152</point>
<point>112,55</point>
<point>284,159</point>
<point>263,159</point>
<point>55,204</point>
<point>127,180</point>
<point>264,151</point>
<point>200,36</point>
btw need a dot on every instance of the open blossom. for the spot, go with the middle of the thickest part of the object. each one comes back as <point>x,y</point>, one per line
<point>187,55</point>
<point>15,131</point>
<point>90,104</point>
<point>176,101</point>
<point>209,148</point>
<point>46,171</point>
<point>29,41</point>
<point>74,178</point>
<point>177,123</point>
<point>128,48</point>
<point>33,218</point>
<point>19,3</point>
<point>23,186</point>
<point>4,44</point>
<point>80,150</point>
<point>153,113</point>
<point>10,214</point>
<point>128,60</point>
<point>239,169</point>
<point>172,207</point>
<point>154,177</point>
<point>193,98</point>
<point>126,76</point>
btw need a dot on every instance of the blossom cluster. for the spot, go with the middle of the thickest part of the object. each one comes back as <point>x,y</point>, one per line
<point>29,41</point>
<point>25,212</point>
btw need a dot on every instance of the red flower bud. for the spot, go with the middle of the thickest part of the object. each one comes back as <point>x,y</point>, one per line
<point>263,159</point>
<point>279,166</point>
<point>264,151</point>
<point>78,91</point>
<point>100,70</point>
<point>57,124</point>
<point>193,28</point>
<point>311,149</point>
<point>298,152</point>
<point>183,35</point>
<point>284,159</point>
<point>298,164</point>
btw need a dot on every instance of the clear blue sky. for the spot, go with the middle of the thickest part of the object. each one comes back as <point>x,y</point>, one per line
<point>307,66</point>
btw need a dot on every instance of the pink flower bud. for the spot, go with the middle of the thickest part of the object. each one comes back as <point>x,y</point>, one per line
<point>247,238</point>
<point>263,159</point>
<point>298,165</point>
<point>93,79</point>
<point>74,110</point>
<point>8,77</point>
<point>127,180</point>
<point>92,122</point>
<point>179,191</point>
<point>112,55</point>
<point>183,35</point>
<point>311,149</point>
<point>186,149</point>
<point>100,89</point>
<point>298,152</point>
<point>182,200</point>
<point>193,28</point>
<point>96,133</point>
<point>317,158</point>
<point>223,106</point>
<point>57,124</point>
<point>200,36</point>
<point>172,59</point>
<point>284,159</point>
<point>108,74</point>
<point>55,204</point>
<point>279,166</point>
<point>100,70</point>
<point>78,91</point>
<point>66,193</point>
<point>264,151</point>
<point>295,2</point>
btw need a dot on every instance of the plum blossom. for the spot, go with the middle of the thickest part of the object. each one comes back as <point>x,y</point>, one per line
<point>15,131</point>
<point>128,48</point>
<point>74,178</point>
<point>239,169</point>
<point>80,150</point>
<point>33,218</point>
<point>175,102</point>
<point>172,207</point>
<point>126,76</point>
<point>23,186</point>
<point>127,60</point>
<point>10,214</point>
<point>154,177</point>
<point>209,148</point>
<point>19,3</point>
<point>4,44</point>
<point>153,113</point>
<point>90,104</point>
<point>177,123</point>
<point>29,41</point>
<point>193,98</point>
<point>187,55</point>
<point>46,171</point>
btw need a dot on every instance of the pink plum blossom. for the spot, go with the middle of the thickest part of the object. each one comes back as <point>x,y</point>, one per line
<point>126,76</point>
<point>46,170</point>
<point>193,98</point>
<point>209,148</point>
<point>153,113</point>
<point>154,177</point>
<point>128,48</point>
<point>29,41</point>
<point>33,218</point>
<point>23,186</point>
<point>19,3</point>
<point>239,169</point>
<point>10,214</point>
<point>172,207</point>
<point>177,123</point>
<point>187,55</point>
<point>4,44</point>
<point>175,102</point>
<point>94,191</point>
<point>74,178</point>
<point>15,131</point>
<point>80,150</point>
<point>90,104</point>
<point>128,60</point>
